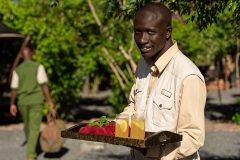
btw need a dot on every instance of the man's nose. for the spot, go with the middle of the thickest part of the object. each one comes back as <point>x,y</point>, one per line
<point>144,38</point>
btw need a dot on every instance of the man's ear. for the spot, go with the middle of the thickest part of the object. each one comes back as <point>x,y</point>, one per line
<point>168,32</point>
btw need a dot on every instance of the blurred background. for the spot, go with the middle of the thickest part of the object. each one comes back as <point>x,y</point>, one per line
<point>88,50</point>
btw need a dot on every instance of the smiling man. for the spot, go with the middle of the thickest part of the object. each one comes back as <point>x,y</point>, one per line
<point>152,32</point>
<point>169,91</point>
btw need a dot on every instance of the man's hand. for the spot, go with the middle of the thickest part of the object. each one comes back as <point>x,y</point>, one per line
<point>52,109</point>
<point>49,99</point>
<point>13,110</point>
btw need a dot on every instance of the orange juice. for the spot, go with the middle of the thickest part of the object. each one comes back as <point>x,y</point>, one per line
<point>137,128</point>
<point>121,128</point>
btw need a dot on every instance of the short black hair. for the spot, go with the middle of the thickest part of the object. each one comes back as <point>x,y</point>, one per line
<point>158,8</point>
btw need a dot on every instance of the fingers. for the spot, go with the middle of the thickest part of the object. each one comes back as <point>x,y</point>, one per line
<point>51,105</point>
<point>13,110</point>
<point>52,110</point>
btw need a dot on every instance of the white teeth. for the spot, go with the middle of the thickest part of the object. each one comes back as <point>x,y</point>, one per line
<point>146,49</point>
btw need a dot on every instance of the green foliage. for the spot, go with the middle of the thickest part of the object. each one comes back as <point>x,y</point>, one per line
<point>60,40</point>
<point>69,42</point>
<point>202,12</point>
<point>45,109</point>
<point>100,123</point>
<point>236,118</point>
<point>202,47</point>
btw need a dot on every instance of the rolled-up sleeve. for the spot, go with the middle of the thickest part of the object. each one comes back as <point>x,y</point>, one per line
<point>191,123</point>
<point>14,81</point>
<point>41,75</point>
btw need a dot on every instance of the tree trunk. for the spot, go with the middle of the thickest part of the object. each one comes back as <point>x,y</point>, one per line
<point>95,86</point>
<point>237,61</point>
<point>86,87</point>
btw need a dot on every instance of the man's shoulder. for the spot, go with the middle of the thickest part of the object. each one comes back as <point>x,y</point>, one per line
<point>183,60</point>
<point>20,66</point>
<point>27,64</point>
<point>185,66</point>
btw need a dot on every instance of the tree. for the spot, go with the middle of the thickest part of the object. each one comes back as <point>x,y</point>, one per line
<point>73,45</point>
<point>57,40</point>
<point>202,47</point>
<point>77,40</point>
<point>202,12</point>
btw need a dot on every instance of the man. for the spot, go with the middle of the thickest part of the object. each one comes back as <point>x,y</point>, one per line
<point>29,84</point>
<point>169,91</point>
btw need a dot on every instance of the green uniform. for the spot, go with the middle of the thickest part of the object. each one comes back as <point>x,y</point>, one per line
<point>29,91</point>
<point>30,102</point>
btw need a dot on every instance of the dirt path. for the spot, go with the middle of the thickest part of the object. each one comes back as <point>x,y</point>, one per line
<point>222,136</point>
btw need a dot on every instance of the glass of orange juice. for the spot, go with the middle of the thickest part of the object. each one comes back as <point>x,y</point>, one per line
<point>122,126</point>
<point>137,127</point>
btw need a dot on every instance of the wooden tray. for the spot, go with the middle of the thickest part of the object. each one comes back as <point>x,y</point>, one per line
<point>162,138</point>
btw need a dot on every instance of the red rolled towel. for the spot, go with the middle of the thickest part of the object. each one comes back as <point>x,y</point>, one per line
<point>107,130</point>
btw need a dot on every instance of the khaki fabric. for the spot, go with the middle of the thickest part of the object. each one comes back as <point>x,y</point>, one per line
<point>191,101</point>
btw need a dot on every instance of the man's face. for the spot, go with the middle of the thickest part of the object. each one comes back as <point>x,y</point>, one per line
<point>149,35</point>
<point>26,53</point>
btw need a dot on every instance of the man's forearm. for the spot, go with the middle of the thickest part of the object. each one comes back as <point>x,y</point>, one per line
<point>46,93</point>
<point>13,96</point>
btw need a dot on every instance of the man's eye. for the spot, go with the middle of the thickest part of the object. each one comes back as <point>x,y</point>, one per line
<point>151,33</point>
<point>137,32</point>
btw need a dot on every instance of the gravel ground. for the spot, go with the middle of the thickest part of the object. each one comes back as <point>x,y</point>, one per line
<point>11,149</point>
<point>222,139</point>
<point>221,146</point>
<point>218,146</point>
<point>226,97</point>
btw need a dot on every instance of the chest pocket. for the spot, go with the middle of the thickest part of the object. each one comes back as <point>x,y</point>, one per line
<point>163,110</point>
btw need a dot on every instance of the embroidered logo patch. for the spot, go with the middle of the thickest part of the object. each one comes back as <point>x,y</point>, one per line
<point>166,93</point>
<point>136,91</point>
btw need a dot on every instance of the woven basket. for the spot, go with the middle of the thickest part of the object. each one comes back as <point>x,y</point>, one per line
<point>50,138</point>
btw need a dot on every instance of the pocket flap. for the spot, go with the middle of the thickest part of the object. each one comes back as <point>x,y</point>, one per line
<point>162,103</point>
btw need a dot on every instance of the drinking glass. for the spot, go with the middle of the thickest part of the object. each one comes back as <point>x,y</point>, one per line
<point>122,126</point>
<point>137,127</point>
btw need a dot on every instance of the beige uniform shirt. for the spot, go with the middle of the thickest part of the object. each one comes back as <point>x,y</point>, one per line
<point>191,122</point>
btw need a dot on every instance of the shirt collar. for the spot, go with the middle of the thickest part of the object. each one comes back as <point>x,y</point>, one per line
<point>164,59</point>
